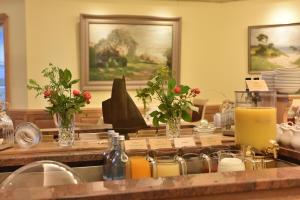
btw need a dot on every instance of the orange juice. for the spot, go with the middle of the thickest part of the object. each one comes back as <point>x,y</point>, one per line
<point>140,167</point>
<point>255,126</point>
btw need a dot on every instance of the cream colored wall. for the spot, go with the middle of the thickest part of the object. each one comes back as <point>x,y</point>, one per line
<point>52,35</point>
<point>233,38</point>
<point>17,51</point>
<point>214,38</point>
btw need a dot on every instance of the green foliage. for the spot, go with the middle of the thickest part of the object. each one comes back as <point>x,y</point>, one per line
<point>133,71</point>
<point>260,63</point>
<point>175,100</point>
<point>265,49</point>
<point>297,62</point>
<point>92,57</point>
<point>58,93</point>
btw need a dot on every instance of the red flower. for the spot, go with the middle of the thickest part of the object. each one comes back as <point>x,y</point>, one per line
<point>195,90</point>
<point>177,89</point>
<point>87,96</point>
<point>76,92</point>
<point>47,93</point>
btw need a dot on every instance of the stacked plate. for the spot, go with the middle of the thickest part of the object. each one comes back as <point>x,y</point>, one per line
<point>287,80</point>
<point>269,78</point>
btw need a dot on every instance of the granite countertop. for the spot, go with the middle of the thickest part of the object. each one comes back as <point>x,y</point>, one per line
<point>81,151</point>
<point>89,150</point>
<point>229,185</point>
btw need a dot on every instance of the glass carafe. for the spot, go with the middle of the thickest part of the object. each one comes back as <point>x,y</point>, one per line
<point>255,118</point>
<point>168,164</point>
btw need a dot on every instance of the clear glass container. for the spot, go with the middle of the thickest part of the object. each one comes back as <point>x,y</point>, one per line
<point>27,135</point>
<point>116,161</point>
<point>230,160</point>
<point>255,118</point>
<point>197,163</point>
<point>139,165</point>
<point>7,128</point>
<point>41,174</point>
<point>112,143</point>
<point>119,161</point>
<point>167,163</point>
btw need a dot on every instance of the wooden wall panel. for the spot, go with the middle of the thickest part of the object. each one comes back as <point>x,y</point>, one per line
<point>88,117</point>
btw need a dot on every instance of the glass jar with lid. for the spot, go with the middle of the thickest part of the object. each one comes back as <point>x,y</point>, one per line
<point>139,164</point>
<point>168,163</point>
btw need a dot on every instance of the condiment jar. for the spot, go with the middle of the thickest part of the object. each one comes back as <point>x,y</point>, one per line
<point>197,163</point>
<point>168,164</point>
<point>139,165</point>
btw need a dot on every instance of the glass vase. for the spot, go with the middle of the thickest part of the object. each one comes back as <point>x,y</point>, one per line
<point>173,128</point>
<point>66,132</point>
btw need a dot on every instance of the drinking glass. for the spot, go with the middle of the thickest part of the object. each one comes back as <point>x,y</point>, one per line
<point>27,135</point>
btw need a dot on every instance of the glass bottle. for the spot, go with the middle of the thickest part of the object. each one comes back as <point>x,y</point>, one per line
<point>119,158</point>
<point>107,154</point>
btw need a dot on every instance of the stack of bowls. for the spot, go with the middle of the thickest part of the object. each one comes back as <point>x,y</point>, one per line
<point>287,80</point>
<point>269,78</point>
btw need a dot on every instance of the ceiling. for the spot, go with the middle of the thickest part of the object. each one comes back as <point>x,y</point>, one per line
<point>212,1</point>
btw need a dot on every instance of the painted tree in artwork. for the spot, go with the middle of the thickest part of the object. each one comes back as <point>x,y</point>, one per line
<point>115,50</point>
<point>122,41</point>
<point>262,38</point>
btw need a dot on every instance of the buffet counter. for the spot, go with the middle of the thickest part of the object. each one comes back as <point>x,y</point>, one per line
<point>272,184</point>
<point>275,183</point>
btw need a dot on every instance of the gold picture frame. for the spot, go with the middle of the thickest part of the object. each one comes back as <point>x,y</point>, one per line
<point>133,46</point>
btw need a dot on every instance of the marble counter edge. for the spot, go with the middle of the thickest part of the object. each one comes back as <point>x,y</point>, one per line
<point>170,187</point>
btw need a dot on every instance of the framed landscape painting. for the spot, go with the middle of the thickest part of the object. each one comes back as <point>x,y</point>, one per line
<point>114,46</point>
<point>273,46</point>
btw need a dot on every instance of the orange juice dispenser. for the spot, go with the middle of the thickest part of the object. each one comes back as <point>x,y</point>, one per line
<point>255,118</point>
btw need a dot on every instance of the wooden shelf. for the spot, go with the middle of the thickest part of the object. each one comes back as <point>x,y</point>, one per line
<point>289,153</point>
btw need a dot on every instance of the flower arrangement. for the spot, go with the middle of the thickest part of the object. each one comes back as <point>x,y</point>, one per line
<point>63,101</point>
<point>175,100</point>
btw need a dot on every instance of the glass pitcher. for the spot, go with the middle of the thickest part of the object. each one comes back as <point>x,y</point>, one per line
<point>167,164</point>
<point>255,118</point>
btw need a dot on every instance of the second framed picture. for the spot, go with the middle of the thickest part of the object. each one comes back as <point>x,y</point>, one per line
<point>273,46</point>
<point>130,46</point>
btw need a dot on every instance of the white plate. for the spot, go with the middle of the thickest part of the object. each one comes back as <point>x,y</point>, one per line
<point>287,69</point>
<point>287,90</point>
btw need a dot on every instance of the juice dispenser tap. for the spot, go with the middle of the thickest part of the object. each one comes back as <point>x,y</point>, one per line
<point>272,150</point>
